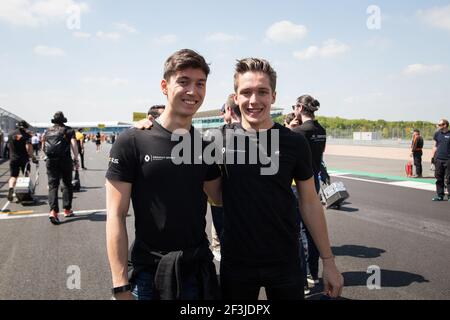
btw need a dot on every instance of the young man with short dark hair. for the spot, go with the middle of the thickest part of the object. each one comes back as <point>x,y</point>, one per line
<point>169,202</point>
<point>156,110</point>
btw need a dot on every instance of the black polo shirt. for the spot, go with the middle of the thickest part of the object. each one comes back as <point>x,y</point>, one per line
<point>260,215</point>
<point>168,199</point>
<point>442,144</point>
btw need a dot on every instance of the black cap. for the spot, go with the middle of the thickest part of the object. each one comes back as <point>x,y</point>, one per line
<point>22,124</point>
<point>59,118</point>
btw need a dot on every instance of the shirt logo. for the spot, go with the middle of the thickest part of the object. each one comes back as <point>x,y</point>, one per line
<point>151,158</point>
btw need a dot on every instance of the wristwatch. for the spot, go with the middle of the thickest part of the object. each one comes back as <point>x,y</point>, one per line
<point>124,288</point>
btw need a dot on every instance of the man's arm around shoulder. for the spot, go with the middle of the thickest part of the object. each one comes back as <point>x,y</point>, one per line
<point>213,190</point>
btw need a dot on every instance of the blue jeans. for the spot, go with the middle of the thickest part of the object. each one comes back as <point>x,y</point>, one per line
<point>143,286</point>
<point>308,249</point>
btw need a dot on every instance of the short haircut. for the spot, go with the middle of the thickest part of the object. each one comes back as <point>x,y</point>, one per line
<point>155,108</point>
<point>154,113</point>
<point>289,117</point>
<point>445,121</point>
<point>255,65</point>
<point>231,104</point>
<point>184,59</point>
<point>416,130</point>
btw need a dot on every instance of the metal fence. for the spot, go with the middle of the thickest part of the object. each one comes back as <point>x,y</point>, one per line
<point>393,137</point>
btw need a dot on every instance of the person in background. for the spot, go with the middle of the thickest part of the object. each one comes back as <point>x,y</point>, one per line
<point>35,141</point>
<point>98,141</point>
<point>441,155</point>
<point>291,121</point>
<point>155,111</point>
<point>316,135</point>
<point>231,114</point>
<point>416,152</point>
<point>59,140</point>
<point>79,136</point>
<point>21,151</point>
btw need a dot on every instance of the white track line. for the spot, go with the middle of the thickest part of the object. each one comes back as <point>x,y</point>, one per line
<point>36,215</point>
<point>6,206</point>
<point>404,184</point>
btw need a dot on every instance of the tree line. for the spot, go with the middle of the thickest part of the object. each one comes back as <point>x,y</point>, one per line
<point>344,128</point>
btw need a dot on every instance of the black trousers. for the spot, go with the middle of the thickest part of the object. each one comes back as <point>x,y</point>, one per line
<point>58,169</point>
<point>442,174</point>
<point>82,159</point>
<point>241,282</point>
<point>418,162</point>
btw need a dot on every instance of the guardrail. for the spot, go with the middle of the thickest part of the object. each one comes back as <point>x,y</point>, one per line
<point>393,143</point>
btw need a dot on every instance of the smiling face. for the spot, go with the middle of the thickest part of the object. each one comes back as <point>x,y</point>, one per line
<point>255,97</point>
<point>185,91</point>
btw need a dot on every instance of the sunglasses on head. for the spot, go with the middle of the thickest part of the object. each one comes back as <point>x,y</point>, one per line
<point>296,106</point>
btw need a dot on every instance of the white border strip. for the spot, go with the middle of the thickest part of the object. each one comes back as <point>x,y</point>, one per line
<point>37,215</point>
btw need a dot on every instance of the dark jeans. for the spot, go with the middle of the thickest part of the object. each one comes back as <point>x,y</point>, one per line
<point>36,149</point>
<point>442,174</point>
<point>312,257</point>
<point>58,169</point>
<point>6,152</point>
<point>281,282</point>
<point>143,286</point>
<point>418,162</point>
<point>81,153</point>
<point>217,217</point>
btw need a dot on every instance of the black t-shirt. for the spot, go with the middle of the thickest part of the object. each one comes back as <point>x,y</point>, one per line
<point>17,140</point>
<point>168,199</point>
<point>317,138</point>
<point>442,144</point>
<point>417,145</point>
<point>260,215</point>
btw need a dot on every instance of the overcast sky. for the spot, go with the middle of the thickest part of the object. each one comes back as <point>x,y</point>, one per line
<point>101,60</point>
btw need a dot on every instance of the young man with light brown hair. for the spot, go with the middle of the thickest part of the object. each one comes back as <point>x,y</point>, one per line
<point>260,245</point>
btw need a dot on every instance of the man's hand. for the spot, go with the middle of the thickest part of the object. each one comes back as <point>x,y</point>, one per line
<point>145,124</point>
<point>76,164</point>
<point>124,296</point>
<point>333,282</point>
